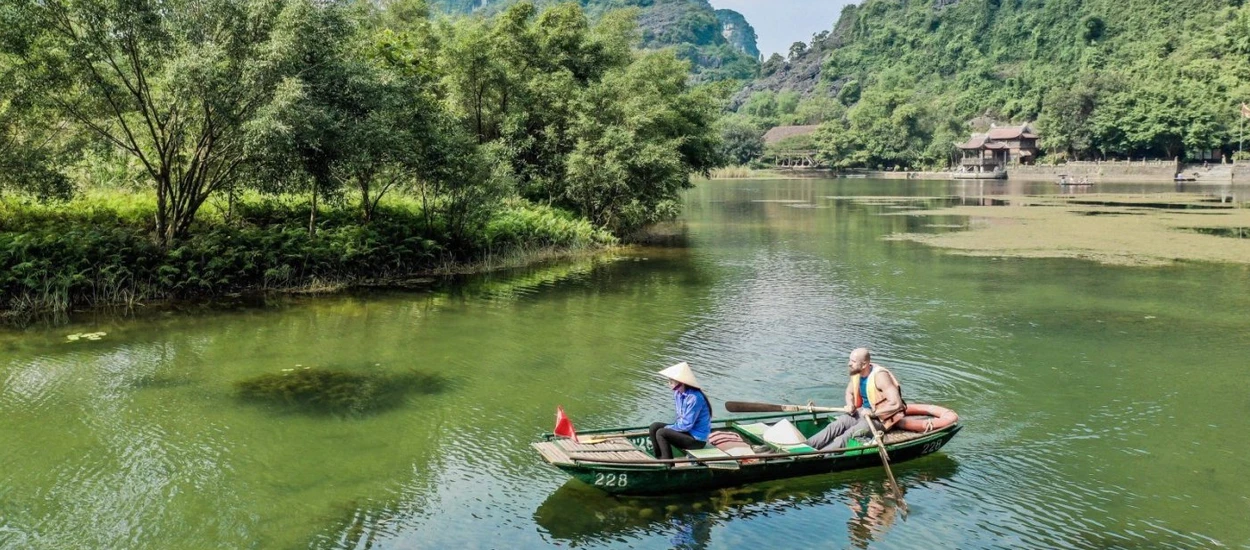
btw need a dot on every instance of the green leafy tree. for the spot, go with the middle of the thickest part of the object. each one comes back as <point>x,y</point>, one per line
<point>742,141</point>
<point>33,153</point>
<point>642,133</point>
<point>1064,120</point>
<point>175,84</point>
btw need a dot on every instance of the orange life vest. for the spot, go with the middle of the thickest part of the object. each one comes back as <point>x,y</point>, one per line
<point>876,397</point>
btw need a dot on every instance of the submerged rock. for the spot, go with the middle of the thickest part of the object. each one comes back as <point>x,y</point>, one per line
<point>337,391</point>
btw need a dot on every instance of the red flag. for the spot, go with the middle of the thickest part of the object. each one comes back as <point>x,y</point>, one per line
<point>564,426</point>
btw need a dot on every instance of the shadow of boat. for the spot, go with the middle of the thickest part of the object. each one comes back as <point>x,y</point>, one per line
<point>579,514</point>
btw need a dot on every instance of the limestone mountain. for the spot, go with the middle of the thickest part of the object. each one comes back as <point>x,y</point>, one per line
<point>720,44</point>
<point>898,80</point>
<point>738,32</point>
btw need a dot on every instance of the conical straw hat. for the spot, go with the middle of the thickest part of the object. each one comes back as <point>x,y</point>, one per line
<point>681,372</point>
<point>784,433</point>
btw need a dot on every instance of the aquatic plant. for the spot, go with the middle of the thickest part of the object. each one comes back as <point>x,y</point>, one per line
<point>337,391</point>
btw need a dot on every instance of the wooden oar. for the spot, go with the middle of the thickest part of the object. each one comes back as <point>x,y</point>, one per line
<point>885,461</point>
<point>601,438</point>
<point>747,407</point>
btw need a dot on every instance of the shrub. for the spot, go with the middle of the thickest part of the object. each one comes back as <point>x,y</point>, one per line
<point>93,252</point>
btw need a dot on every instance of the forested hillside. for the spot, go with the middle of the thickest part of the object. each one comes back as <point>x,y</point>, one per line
<point>900,81</point>
<point>692,27</point>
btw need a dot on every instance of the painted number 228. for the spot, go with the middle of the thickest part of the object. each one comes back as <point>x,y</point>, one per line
<point>611,480</point>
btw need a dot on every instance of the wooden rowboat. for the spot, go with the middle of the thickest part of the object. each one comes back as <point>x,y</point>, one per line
<point>619,460</point>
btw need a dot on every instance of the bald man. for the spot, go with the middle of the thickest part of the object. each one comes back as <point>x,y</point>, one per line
<point>872,393</point>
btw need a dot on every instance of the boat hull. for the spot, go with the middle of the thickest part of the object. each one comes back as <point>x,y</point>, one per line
<point>651,479</point>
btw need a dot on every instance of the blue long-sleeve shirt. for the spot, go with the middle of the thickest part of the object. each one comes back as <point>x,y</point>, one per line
<point>693,413</point>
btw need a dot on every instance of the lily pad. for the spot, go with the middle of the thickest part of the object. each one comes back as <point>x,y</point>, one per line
<point>85,336</point>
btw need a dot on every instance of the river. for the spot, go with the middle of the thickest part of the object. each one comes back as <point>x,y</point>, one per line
<point>1103,406</point>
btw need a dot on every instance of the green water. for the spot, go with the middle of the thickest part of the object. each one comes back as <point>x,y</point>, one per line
<point>1103,406</point>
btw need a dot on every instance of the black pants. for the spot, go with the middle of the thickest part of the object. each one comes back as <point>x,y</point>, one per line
<point>664,439</point>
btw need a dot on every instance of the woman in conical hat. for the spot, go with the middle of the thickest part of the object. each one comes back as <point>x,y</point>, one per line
<point>694,414</point>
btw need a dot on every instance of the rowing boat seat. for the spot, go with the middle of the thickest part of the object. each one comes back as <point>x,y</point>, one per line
<point>713,452</point>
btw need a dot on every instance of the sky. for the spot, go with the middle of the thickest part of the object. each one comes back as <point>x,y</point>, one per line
<point>780,23</point>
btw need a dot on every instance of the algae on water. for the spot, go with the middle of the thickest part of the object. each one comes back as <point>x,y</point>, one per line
<point>337,391</point>
<point>1153,229</point>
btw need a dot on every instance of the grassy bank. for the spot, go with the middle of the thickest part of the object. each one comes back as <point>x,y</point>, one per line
<point>747,172</point>
<point>99,249</point>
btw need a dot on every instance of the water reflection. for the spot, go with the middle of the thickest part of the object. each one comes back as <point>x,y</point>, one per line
<point>873,512</point>
<point>579,515</point>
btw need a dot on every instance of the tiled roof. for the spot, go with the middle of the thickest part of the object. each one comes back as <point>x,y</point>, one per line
<point>782,132</point>
<point>994,138</point>
<point>977,142</point>
<point>1012,132</point>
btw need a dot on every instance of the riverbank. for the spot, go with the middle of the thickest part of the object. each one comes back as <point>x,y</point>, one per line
<point>1152,171</point>
<point>98,250</point>
<point>748,173</point>
<point>1145,230</point>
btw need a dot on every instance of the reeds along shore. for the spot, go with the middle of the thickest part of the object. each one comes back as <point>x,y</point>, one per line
<point>100,250</point>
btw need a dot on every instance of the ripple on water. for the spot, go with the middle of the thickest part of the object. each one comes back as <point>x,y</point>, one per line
<point>30,387</point>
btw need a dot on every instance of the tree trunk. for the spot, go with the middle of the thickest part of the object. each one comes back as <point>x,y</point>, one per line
<point>162,213</point>
<point>366,207</point>
<point>312,214</point>
<point>425,209</point>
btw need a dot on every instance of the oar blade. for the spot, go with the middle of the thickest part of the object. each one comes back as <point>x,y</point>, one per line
<point>748,407</point>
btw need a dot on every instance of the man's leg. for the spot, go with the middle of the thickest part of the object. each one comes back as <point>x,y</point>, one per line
<point>860,429</point>
<point>833,431</point>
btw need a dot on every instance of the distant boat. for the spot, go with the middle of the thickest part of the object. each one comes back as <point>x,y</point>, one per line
<point>1183,177</point>
<point>1065,180</point>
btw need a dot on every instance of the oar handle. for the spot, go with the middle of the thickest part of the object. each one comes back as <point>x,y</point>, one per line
<point>747,406</point>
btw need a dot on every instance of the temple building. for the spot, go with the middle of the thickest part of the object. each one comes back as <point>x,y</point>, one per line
<point>994,150</point>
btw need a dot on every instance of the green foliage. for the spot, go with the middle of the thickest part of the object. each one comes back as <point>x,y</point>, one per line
<point>464,124</point>
<point>815,109</point>
<point>741,140</point>
<point>642,134</point>
<point>176,85</point>
<point>761,106</point>
<point>584,123</point>
<point>849,94</point>
<point>98,250</point>
<point>32,154</point>
<point>522,226</point>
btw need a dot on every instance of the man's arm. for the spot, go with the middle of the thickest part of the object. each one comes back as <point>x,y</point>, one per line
<point>893,400</point>
<point>850,399</point>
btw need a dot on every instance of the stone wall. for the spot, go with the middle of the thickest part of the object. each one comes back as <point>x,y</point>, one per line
<point>1097,172</point>
<point>1241,172</point>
